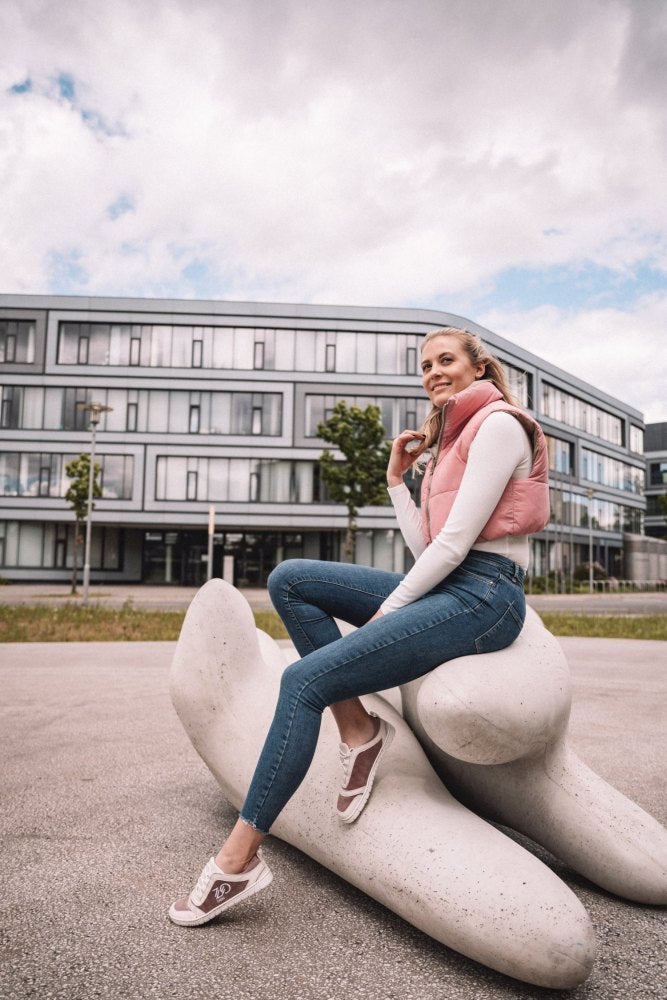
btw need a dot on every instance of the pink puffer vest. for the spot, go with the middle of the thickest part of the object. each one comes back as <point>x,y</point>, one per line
<point>524,505</point>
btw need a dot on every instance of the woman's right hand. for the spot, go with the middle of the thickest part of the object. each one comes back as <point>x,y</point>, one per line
<point>400,460</point>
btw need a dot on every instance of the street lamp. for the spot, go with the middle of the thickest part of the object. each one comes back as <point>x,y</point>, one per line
<point>590,494</point>
<point>95,410</point>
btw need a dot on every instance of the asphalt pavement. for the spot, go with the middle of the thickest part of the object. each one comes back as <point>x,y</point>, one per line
<point>108,814</point>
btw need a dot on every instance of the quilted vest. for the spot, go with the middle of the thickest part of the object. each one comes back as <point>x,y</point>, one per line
<point>524,505</point>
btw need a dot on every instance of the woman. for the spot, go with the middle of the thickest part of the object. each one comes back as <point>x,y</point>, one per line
<point>485,488</point>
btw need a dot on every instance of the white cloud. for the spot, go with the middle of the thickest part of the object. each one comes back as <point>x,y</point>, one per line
<point>621,351</point>
<point>377,153</point>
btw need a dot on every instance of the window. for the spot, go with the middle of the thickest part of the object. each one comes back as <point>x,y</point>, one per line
<point>17,342</point>
<point>608,471</point>
<point>135,350</point>
<point>258,356</point>
<point>520,384</point>
<point>396,413</point>
<point>197,353</point>
<point>568,409</point>
<point>636,440</point>
<point>658,473</point>
<point>51,546</point>
<point>560,454</point>
<point>194,420</point>
<point>330,362</point>
<point>43,474</point>
<point>131,417</point>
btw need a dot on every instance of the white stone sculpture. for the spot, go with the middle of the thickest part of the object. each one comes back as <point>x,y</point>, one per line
<point>415,848</point>
<point>495,728</point>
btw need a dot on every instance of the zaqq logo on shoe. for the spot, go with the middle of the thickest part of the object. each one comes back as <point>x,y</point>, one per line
<point>221,890</point>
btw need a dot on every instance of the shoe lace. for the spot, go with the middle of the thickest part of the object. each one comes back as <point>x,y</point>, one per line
<point>202,881</point>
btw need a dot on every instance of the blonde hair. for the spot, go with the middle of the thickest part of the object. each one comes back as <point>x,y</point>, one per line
<point>478,355</point>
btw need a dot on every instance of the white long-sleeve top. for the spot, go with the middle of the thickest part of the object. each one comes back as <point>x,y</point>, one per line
<point>500,451</point>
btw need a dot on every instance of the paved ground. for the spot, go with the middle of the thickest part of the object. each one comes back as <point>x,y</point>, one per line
<point>108,813</point>
<point>175,598</point>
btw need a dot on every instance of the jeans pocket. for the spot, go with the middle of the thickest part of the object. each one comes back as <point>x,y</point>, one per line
<point>503,633</point>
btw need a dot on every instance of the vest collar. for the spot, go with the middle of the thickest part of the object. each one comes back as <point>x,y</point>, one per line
<point>462,406</point>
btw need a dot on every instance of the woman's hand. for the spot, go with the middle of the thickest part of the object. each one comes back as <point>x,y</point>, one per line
<point>400,460</point>
<point>378,614</point>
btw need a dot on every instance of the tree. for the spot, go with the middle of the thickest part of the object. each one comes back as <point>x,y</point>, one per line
<point>360,480</point>
<point>78,470</point>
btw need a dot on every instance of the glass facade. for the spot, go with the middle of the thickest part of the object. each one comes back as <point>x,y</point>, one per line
<point>657,473</point>
<point>636,440</point>
<point>42,474</point>
<point>51,546</point>
<point>396,414</point>
<point>561,455</point>
<point>237,347</point>
<point>238,480</point>
<point>17,342</point>
<point>608,471</point>
<point>520,383</point>
<point>568,409</point>
<point>142,410</point>
<point>575,509</point>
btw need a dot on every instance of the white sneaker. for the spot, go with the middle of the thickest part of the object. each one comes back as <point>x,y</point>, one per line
<point>216,891</point>
<point>359,767</point>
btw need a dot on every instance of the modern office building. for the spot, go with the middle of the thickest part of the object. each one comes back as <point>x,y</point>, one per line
<point>217,404</point>
<point>656,480</point>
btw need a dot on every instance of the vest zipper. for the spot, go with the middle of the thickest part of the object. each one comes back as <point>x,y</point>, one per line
<point>430,478</point>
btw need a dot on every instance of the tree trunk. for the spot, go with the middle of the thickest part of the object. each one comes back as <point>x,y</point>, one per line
<point>349,545</point>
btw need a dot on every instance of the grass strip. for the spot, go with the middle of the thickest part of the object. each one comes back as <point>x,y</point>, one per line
<point>607,626</point>
<point>72,623</point>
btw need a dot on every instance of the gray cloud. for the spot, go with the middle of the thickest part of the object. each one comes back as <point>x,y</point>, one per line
<point>383,153</point>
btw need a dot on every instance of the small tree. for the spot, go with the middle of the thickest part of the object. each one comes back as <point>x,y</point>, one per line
<point>78,470</point>
<point>360,480</point>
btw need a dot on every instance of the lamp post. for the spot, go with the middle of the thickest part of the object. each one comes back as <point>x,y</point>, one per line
<point>95,410</point>
<point>589,494</point>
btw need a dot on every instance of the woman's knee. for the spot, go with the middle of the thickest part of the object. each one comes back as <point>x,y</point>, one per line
<point>295,688</point>
<point>286,573</point>
<point>282,575</point>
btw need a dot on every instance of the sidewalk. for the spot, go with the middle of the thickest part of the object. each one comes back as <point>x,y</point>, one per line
<point>108,814</point>
<point>167,598</point>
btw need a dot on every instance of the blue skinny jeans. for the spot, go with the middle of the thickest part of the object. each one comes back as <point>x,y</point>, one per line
<point>478,608</point>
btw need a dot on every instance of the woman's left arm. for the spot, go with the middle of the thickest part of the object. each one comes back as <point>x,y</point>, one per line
<point>498,448</point>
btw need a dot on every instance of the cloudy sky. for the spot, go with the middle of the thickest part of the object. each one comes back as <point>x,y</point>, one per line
<point>500,159</point>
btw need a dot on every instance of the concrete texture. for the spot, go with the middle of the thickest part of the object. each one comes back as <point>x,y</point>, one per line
<point>495,728</point>
<point>416,849</point>
<point>108,813</point>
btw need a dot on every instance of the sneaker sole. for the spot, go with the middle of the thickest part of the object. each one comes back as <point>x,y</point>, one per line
<point>351,814</point>
<point>265,879</point>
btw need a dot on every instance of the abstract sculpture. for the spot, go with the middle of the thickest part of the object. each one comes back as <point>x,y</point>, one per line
<point>495,729</point>
<point>417,849</point>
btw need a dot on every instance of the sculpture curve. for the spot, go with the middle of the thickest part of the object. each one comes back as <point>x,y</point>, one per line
<point>415,849</point>
<point>494,727</point>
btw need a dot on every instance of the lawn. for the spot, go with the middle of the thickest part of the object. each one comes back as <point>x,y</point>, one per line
<point>72,623</point>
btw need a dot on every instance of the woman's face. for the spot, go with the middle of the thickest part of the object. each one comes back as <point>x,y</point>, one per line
<point>446,368</point>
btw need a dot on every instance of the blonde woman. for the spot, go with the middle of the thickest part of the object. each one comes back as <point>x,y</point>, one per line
<point>485,489</point>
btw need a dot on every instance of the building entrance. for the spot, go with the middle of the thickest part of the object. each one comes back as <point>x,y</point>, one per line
<point>179,557</point>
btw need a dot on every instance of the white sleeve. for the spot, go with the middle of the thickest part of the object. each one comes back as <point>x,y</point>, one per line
<point>498,448</point>
<point>408,517</point>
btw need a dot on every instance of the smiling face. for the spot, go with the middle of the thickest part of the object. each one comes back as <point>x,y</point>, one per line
<point>446,368</point>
